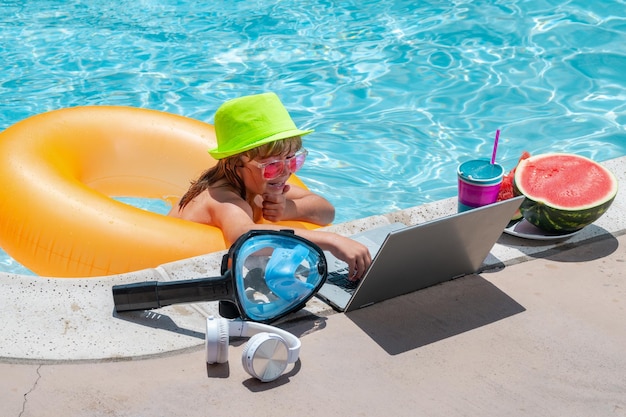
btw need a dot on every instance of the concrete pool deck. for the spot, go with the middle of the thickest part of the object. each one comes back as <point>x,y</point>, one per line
<point>539,332</point>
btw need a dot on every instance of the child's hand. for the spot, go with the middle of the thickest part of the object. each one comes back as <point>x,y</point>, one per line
<point>355,254</point>
<point>274,205</point>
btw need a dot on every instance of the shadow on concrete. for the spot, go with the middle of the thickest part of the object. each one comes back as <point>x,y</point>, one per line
<point>300,324</point>
<point>557,249</point>
<point>156,321</point>
<point>433,314</point>
<point>589,250</point>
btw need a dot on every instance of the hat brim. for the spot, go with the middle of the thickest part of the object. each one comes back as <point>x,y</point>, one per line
<point>217,154</point>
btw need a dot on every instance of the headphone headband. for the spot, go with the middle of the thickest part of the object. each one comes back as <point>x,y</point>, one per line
<point>240,328</point>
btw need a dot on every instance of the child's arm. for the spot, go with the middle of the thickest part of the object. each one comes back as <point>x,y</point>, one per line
<point>296,203</point>
<point>223,208</point>
<point>234,217</point>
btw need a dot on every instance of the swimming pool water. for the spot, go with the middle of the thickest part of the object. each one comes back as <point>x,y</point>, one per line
<point>398,92</point>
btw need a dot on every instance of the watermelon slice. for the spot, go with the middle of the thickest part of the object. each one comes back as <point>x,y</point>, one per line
<point>564,192</point>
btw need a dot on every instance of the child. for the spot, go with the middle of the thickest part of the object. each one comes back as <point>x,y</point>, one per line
<point>258,148</point>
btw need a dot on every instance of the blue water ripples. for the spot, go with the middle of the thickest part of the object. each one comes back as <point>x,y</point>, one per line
<point>399,92</point>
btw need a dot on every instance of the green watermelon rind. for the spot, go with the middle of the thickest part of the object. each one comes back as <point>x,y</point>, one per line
<point>557,219</point>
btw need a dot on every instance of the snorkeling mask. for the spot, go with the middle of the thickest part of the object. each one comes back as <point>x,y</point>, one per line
<point>266,275</point>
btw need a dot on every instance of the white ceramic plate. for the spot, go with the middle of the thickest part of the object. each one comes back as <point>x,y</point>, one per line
<point>526,230</point>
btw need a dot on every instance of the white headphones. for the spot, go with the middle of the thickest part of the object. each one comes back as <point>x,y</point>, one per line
<point>265,356</point>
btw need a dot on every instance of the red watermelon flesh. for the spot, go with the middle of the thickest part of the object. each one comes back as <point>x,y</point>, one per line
<point>506,188</point>
<point>564,192</point>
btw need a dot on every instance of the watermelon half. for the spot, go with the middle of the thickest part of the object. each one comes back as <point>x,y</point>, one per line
<point>564,192</point>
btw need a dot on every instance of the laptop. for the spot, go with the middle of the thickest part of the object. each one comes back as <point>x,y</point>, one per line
<point>407,259</point>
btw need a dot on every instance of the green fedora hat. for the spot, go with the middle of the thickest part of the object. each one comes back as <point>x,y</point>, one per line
<point>250,121</point>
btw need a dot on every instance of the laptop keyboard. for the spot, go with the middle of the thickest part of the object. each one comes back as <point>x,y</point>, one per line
<point>340,279</point>
<point>338,270</point>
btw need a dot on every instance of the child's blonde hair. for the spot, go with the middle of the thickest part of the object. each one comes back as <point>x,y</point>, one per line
<point>227,168</point>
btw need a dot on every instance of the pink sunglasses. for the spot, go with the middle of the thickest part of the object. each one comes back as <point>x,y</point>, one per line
<point>275,168</point>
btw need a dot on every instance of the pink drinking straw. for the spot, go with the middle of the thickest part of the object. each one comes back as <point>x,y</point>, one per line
<point>495,147</point>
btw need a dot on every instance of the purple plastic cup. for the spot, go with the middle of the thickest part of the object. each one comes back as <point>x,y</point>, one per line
<point>479,183</point>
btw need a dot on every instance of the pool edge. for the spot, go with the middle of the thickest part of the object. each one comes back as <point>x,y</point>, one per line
<point>68,319</point>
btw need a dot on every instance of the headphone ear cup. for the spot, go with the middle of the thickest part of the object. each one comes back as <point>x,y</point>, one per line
<point>216,340</point>
<point>265,356</point>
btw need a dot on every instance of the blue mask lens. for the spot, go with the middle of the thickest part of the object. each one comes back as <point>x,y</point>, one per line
<point>276,274</point>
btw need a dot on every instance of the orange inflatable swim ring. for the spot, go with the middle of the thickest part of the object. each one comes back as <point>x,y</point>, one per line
<point>58,171</point>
